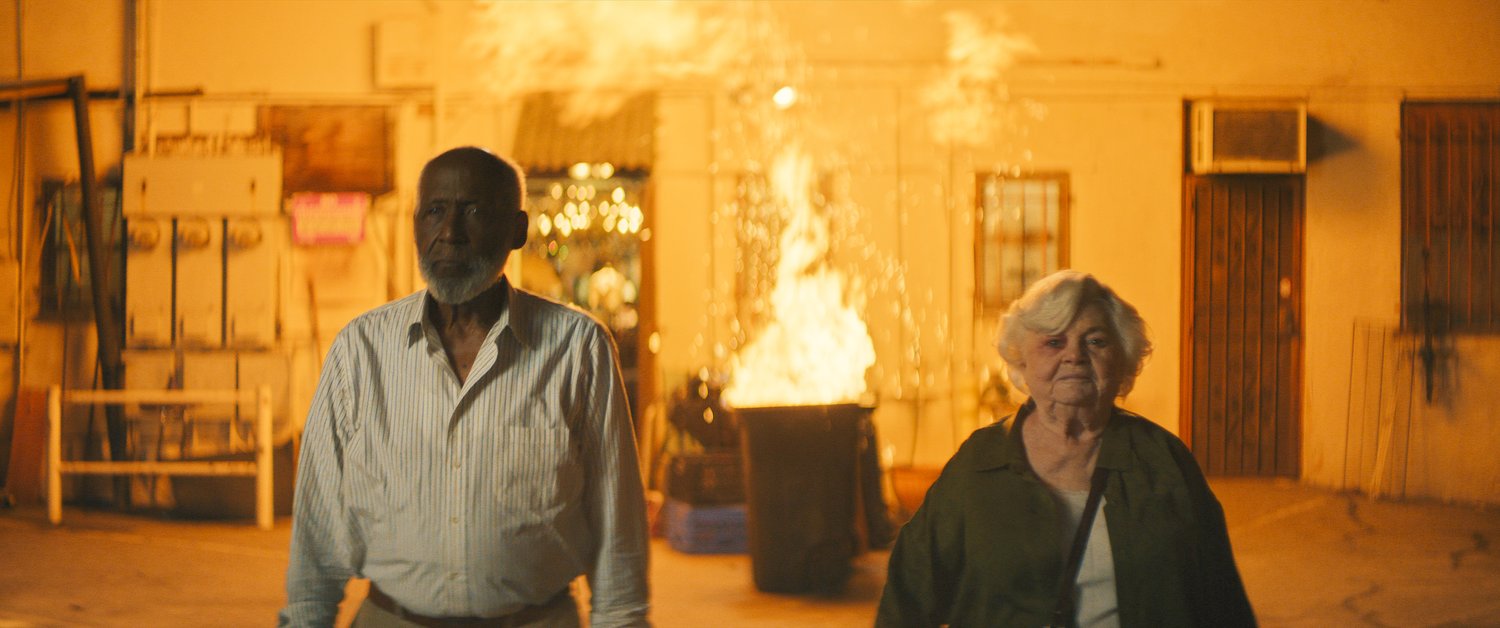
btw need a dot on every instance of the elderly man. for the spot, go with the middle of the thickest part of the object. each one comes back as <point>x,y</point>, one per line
<point>469,447</point>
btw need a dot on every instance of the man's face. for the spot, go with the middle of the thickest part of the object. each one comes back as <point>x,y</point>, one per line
<point>465,227</point>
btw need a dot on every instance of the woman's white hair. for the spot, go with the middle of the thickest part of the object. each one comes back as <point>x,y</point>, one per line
<point>1051,304</point>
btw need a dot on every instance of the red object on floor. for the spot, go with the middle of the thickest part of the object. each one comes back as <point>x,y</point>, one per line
<point>28,448</point>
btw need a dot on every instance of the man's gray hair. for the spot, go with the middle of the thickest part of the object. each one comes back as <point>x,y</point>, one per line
<point>1051,304</point>
<point>506,171</point>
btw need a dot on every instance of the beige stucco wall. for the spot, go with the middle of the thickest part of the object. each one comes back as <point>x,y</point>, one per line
<point>1449,445</point>
<point>1352,260</point>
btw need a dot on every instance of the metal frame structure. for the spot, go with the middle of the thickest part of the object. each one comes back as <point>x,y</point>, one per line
<point>106,319</point>
<point>260,468</point>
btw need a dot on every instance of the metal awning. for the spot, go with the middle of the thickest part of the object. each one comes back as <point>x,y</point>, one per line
<point>625,139</point>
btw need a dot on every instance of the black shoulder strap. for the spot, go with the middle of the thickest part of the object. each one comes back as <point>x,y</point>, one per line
<point>1062,614</point>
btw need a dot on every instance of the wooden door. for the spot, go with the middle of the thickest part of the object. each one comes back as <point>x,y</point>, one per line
<point>1242,349</point>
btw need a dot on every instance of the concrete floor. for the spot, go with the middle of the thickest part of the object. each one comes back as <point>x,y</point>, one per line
<point>1310,557</point>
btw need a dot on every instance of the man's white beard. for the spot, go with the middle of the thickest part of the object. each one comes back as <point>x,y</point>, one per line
<point>479,274</point>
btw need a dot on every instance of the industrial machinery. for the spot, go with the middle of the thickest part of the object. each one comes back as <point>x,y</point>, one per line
<point>206,281</point>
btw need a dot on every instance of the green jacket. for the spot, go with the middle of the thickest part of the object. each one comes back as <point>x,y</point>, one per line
<point>986,547</point>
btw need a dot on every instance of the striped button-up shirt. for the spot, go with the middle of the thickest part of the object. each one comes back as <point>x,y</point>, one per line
<point>472,498</point>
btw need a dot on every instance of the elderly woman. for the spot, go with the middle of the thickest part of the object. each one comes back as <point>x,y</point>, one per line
<point>998,540</point>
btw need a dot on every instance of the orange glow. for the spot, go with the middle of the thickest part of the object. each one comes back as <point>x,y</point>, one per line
<point>965,101</point>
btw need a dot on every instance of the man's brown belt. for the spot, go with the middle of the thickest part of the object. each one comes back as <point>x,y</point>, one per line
<point>519,618</point>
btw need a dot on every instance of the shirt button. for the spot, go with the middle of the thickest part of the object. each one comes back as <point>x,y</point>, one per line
<point>453,576</point>
<point>457,463</point>
<point>453,520</point>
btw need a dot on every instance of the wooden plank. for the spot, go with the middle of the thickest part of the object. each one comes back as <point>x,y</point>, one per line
<point>1406,384</point>
<point>1269,315</point>
<point>1250,315</point>
<point>1283,321</point>
<point>1241,202</point>
<point>1492,243</point>
<point>1358,384</point>
<point>1441,220</point>
<point>54,454</point>
<point>1459,213</point>
<point>1375,392</point>
<point>1494,231</point>
<point>1398,392</point>
<point>1374,405</point>
<point>1254,336</point>
<point>1202,276</point>
<point>1384,421</point>
<point>186,467</point>
<point>1289,420</point>
<point>1412,143</point>
<point>1417,217</point>
<point>164,397</point>
<point>1481,286</point>
<point>1218,358</point>
<point>1464,275</point>
<point>1185,319</point>
<point>1420,224</point>
<point>1487,177</point>
<point>1484,274</point>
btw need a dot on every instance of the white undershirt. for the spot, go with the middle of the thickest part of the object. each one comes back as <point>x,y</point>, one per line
<point>1094,594</point>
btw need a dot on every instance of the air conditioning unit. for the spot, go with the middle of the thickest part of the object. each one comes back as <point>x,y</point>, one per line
<point>1249,136</point>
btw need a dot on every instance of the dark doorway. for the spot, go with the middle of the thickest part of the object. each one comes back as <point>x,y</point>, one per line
<point>589,245</point>
<point>1242,327</point>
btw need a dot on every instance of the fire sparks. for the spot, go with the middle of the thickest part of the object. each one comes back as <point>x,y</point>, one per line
<point>815,348</point>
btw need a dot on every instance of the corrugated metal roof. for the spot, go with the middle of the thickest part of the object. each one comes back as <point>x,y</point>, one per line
<point>626,139</point>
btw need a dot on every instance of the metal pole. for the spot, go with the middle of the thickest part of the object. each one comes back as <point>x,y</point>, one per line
<point>128,88</point>
<point>105,325</point>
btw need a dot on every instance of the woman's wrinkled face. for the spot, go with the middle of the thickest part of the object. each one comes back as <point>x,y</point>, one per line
<point>1078,366</point>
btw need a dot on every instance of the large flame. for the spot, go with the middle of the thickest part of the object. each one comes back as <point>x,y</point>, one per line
<point>815,349</point>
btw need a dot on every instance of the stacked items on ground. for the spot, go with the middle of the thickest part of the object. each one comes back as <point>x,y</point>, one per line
<point>704,511</point>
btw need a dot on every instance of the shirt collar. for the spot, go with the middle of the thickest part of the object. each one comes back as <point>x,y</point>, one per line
<point>1114,451</point>
<point>515,318</point>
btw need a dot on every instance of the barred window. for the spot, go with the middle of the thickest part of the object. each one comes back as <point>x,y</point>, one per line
<point>1021,234</point>
<point>1450,264</point>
